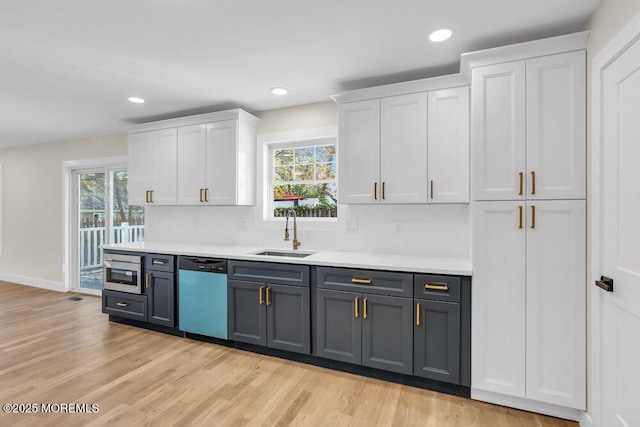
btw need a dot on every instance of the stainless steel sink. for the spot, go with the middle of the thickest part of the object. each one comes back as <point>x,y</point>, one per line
<point>284,253</point>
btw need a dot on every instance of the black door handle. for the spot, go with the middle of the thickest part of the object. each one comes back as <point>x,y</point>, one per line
<point>605,283</point>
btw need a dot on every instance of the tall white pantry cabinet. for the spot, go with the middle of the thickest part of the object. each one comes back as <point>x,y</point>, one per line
<point>528,138</point>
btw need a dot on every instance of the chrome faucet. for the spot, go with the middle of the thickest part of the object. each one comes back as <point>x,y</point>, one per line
<point>296,243</point>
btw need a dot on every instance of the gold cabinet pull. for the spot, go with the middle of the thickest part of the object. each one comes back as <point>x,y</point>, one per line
<point>364,311</point>
<point>147,280</point>
<point>533,182</point>
<point>122,304</point>
<point>206,195</point>
<point>418,314</point>
<point>375,191</point>
<point>150,196</point>
<point>520,215</point>
<point>533,216</point>
<point>521,183</point>
<point>146,196</point>
<point>362,280</point>
<point>431,189</point>
<point>436,286</point>
<point>383,185</point>
<point>201,195</point>
<point>260,292</point>
<point>268,300</point>
<point>355,307</point>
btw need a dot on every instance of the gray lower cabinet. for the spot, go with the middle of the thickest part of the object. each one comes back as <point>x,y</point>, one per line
<point>338,333</point>
<point>247,312</point>
<point>160,288</point>
<point>437,340</point>
<point>161,298</point>
<point>387,338</point>
<point>366,329</point>
<point>122,304</point>
<point>272,315</point>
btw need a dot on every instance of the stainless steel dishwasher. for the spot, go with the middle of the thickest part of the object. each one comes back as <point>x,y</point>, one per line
<point>202,296</point>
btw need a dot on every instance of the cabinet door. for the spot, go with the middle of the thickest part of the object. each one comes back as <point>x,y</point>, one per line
<point>247,312</point>
<point>498,131</point>
<point>359,152</point>
<point>448,146</point>
<point>161,298</point>
<point>556,303</point>
<point>288,318</point>
<point>403,148</point>
<point>165,167</point>
<point>556,126</point>
<point>338,327</point>
<point>436,341</point>
<point>140,167</point>
<point>387,333</point>
<point>222,162</point>
<point>192,164</point>
<point>498,295</point>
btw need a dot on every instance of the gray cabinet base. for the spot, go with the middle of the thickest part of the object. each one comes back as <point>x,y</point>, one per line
<point>146,325</point>
<point>439,386</point>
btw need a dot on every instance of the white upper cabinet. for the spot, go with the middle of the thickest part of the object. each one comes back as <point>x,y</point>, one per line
<point>498,131</point>
<point>231,164</point>
<point>385,151</point>
<point>528,129</point>
<point>448,146</point>
<point>403,149</point>
<point>192,164</point>
<point>153,167</point>
<point>198,160</point>
<point>359,151</point>
<point>556,126</point>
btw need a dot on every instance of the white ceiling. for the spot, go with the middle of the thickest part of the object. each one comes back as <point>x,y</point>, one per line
<point>67,67</point>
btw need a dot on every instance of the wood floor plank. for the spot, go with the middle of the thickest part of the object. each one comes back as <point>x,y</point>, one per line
<point>57,351</point>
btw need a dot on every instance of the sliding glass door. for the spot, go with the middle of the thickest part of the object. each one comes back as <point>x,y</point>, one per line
<point>102,216</point>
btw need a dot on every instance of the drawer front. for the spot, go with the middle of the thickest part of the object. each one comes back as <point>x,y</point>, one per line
<point>438,288</point>
<point>158,262</point>
<point>368,281</point>
<point>269,272</point>
<point>125,305</point>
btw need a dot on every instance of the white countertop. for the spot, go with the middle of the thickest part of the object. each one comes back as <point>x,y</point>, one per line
<point>413,264</point>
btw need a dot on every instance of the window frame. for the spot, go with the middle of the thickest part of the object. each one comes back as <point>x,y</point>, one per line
<point>267,144</point>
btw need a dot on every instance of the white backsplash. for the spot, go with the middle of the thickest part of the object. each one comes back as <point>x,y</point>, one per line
<point>433,231</point>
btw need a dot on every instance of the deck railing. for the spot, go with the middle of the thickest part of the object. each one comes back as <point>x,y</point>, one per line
<point>92,237</point>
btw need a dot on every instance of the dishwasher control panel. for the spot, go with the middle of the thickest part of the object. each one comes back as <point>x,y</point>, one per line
<point>206,265</point>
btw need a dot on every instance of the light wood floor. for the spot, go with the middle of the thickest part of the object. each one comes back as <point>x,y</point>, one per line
<point>55,350</point>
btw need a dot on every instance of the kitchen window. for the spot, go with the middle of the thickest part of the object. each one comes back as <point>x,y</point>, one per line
<point>302,176</point>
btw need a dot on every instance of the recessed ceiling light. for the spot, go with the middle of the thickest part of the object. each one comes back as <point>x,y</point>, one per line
<point>136,100</point>
<point>440,35</point>
<point>279,90</point>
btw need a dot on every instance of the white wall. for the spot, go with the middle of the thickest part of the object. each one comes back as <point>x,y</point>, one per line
<point>427,230</point>
<point>33,206</point>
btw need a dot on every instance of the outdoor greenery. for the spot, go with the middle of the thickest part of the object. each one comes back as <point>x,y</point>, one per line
<point>92,197</point>
<point>308,172</point>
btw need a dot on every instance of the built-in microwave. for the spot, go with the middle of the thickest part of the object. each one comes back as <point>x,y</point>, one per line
<point>123,272</point>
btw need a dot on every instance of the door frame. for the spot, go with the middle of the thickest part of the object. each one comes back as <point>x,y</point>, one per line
<point>69,167</point>
<point>616,47</point>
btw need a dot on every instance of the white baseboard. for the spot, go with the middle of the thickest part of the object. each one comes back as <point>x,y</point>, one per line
<point>32,281</point>
<point>527,405</point>
<point>585,420</point>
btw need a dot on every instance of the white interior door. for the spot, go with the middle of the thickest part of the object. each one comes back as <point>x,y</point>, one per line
<point>620,239</point>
